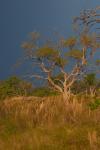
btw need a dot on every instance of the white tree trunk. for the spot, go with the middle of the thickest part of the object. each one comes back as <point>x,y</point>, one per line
<point>66,96</point>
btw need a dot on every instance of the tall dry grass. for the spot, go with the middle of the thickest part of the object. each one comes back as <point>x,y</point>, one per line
<point>33,110</point>
<point>48,123</point>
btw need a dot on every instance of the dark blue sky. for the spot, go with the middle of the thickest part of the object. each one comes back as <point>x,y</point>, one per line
<point>19,17</point>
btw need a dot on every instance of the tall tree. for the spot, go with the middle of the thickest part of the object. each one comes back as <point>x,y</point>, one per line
<point>53,58</point>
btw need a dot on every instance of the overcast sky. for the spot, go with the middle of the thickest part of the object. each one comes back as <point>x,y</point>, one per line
<point>19,17</point>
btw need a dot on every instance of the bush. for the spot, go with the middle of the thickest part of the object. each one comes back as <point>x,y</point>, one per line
<point>43,91</point>
<point>94,105</point>
<point>14,86</point>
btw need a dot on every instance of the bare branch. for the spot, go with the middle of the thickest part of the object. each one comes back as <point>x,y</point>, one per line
<point>36,76</point>
<point>57,87</point>
<point>44,68</point>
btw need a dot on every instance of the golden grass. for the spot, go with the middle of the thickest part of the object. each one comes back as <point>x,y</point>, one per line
<point>49,123</point>
<point>47,109</point>
<point>43,110</point>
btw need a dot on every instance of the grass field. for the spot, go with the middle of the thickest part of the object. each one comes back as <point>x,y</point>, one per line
<point>48,124</point>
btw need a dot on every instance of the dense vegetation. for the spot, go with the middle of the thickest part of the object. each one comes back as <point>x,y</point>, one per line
<point>15,86</point>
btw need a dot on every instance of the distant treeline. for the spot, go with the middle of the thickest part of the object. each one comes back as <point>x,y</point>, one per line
<point>15,86</point>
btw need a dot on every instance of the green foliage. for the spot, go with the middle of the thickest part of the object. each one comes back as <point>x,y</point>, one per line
<point>43,91</point>
<point>78,87</point>
<point>70,42</point>
<point>51,55</point>
<point>94,105</point>
<point>46,52</point>
<point>75,53</point>
<point>60,62</point>
<point>14,86</point>
<point>90,79</point>
<point>7,88</point>
<point>86,40</point>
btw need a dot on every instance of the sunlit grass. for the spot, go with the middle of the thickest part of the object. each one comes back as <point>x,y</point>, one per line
<point>48,124</point>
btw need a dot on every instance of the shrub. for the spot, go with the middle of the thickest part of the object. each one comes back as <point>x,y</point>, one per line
<point>43,91</point>
<point>14,86</point>
<point>94,105</point>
